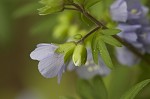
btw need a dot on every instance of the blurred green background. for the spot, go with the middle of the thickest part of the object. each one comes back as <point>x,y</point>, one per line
<point>21,28</point>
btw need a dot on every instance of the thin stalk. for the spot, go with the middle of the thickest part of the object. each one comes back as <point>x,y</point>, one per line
<point>125,43</point>
<point>88,34</point>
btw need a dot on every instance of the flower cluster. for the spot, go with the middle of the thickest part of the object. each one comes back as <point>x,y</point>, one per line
<point>52,63</point>
<point>132,20</point>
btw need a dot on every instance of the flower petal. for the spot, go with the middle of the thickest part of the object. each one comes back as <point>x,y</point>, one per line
<point>60,73</point>
<point>126,57</point>
<point>128,28</point>
<point>118,11</point>
<point>43,44</point>
<point>71,66</point>
<point>42,51</point>
<point>130,37</point>
<point>51,66</point>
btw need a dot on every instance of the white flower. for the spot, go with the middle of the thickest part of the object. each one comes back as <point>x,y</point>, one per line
<point>51,64</point>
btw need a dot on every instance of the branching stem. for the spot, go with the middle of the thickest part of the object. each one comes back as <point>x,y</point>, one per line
<point>88,34</point>
<point>101,25</point>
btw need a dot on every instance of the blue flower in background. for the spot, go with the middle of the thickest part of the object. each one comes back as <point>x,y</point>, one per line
<point>123,10</point>
<point>90,69</point>
<point>132,20</point>
<point>118,11</point>
<point>126,57</point>
<point>129,33</point>
<point>51,64</point>
<point>144,36</point>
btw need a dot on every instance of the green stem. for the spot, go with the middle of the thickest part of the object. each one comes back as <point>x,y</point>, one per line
<point>125,43</point>
<point>67,8</point>
<point>88,34</point>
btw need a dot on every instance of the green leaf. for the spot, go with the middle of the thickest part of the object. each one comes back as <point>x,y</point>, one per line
<point>99,88</point>
<point>84,89</point>
<point>94,48</point>
<point>104,53</point>
<point>135,90</point>
<point>120,81</point>
<point>110,40</point>
<point>66,97</point>
<point>51,6</point>
<point>80,1</point>
<point>86,20</point>
<point>90,3</point>
<point>92,89</point>
<point>111,31</point>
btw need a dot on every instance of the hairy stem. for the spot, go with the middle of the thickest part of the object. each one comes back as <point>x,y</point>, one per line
<point>98,23</point>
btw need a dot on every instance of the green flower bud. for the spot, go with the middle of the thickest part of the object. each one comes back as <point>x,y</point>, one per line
<point>51,6</point>
<point>79,55</point>
<point>78,36</point>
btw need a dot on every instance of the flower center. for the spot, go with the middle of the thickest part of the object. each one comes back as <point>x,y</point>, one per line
<point>135,12</point>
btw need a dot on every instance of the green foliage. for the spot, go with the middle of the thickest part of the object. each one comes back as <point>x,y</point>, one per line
<point>51,6</point>
<point>86,20</point>
<point>66,49</point>
<point>94,89</point>
<point>104,53</point>
<point>94,48</point>
<point>66,97</point>
<point>135,90</point>
<point>87,3</point>
<point>25,10</point>
<point>110,40</point>
<point>43,26</point>
<point>90,3</point>
<point>78,36</point>
<point>61,30</point>
<point>68,26</point>
<point>110,31</point>
<point>79,55</point>
<point>98,45</point>
<point>4,23</point>
<point>80,1</point>
<point>84,89</point>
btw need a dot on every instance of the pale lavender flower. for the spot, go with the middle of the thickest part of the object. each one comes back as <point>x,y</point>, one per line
<point>118,11</point>
<point>51,64</point>
<point>144,37</point>
<point>132,20</point>
<point>126,57</point>
<point>129,34</point>
<point>90,69</point>
<point>123,10</point>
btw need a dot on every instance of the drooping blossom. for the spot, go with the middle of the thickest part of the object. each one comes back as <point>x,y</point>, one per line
<point>51,64</point>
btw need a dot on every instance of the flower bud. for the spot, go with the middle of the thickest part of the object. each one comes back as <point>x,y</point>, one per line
<point>79,55</point>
